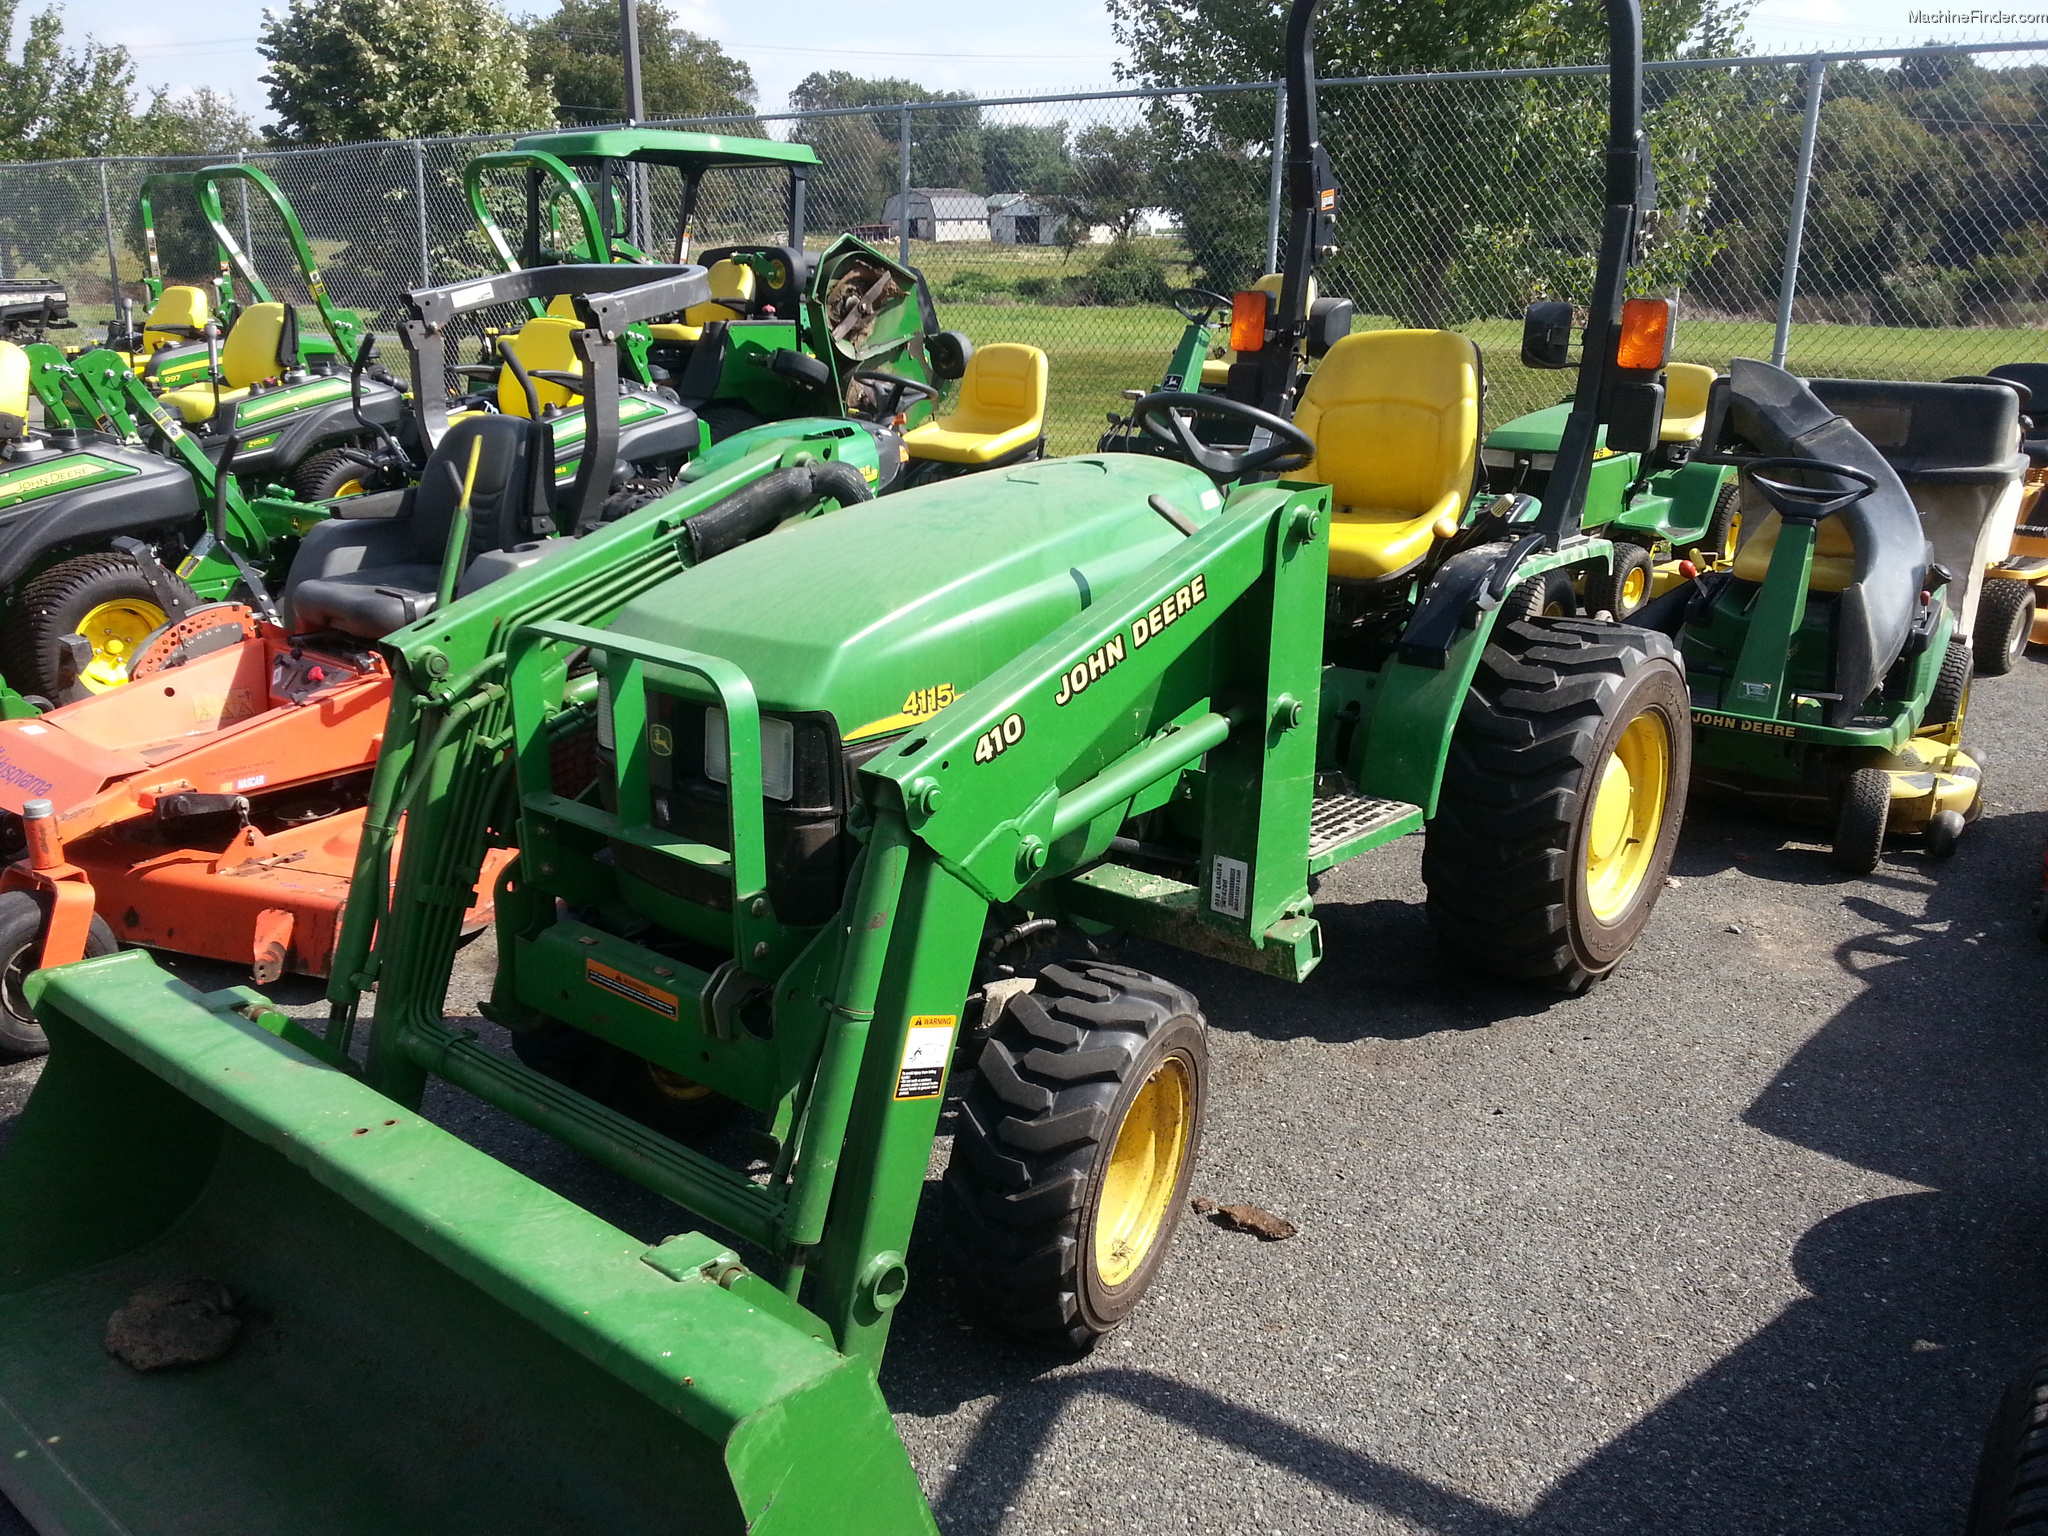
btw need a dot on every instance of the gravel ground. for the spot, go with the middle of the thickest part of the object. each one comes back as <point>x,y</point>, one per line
<point>1745,1240</point>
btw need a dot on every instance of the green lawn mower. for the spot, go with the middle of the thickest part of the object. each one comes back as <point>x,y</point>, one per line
<point>792,828</point>
<point>169,347</point>
<point>1829,664</point>
<point>1669,514</point>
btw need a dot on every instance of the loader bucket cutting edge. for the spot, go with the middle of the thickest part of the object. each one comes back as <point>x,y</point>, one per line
<point>429,1341</point>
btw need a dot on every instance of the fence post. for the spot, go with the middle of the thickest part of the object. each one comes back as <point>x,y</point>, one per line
<point>903,187</point>
<point>1788,283</point>
<point>113,260</point>
<point>419,202</point>
<point>1273,181</point>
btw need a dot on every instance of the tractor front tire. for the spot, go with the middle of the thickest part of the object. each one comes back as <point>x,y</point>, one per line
<point>1561,799</point>
<point>1860,817</point>
<point>21,942</point>
<point>102,596</point>
<point>2012,1476</point>
<point>2005,622</point>
<point>1073,1150</point>
<point>1724,531</point>
<point>1548,596</point>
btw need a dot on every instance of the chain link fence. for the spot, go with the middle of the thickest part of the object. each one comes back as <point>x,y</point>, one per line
<point>1880,215</point>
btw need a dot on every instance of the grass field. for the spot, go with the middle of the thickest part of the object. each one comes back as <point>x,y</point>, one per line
<point>1094,353</point>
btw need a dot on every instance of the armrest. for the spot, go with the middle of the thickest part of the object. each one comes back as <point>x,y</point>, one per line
<point>375,505</point>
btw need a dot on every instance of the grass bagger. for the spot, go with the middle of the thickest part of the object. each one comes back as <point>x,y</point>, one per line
<point>796,850</point>
<point>1829,664</point>
<point>213,806</point>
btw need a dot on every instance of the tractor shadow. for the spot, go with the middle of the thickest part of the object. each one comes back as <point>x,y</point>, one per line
<point>1859,1408</point>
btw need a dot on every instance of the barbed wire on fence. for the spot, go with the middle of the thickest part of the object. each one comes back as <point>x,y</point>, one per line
<point>1879,213</point>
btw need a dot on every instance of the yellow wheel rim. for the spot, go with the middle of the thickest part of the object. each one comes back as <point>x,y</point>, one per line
<point>674,1086</point>
<point>1628,813</point>
<point>114,631</point>
<point>347,488</point>
<point>1144,1168</point>
<point>1633,586</point>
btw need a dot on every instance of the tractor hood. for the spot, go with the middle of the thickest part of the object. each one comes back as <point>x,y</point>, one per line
<point>881,615</point>
<point>1537,432</point>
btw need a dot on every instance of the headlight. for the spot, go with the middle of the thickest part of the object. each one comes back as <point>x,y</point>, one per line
<point>778,754</point>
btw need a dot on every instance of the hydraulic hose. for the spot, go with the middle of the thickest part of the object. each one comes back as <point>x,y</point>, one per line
<point>755,509</point>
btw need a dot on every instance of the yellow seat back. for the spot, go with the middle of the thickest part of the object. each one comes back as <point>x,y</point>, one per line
<point>14,391</point>
<point>729,280</point>
<point>1271,283</point>
<point>1003,390</point>
<point>182,308</point>
<point>541,343</point>
<point>1685,401</point>
<point>250,353</point>
<point>1834,554</point>
<point>1395,418</point>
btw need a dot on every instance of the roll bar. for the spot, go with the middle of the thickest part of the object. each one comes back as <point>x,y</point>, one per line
<point>341,325</point>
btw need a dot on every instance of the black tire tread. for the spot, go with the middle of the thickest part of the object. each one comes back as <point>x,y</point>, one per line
<point>1864,808</point>
<point>28,634</point>
<point>1030,1123</point>
<point>1951,692</point>
<point>1496,862</point>
<point>1603,588</point>
<point>2005,611</point>
<point>316,474</point>
<point>21,920</point>
<point>2011,1494</point>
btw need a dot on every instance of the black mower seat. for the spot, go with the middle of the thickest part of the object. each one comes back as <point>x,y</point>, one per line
<point>368,577</point>
<point>1777,415</point>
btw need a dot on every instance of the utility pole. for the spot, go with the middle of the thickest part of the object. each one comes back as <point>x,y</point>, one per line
<point>636,108</point>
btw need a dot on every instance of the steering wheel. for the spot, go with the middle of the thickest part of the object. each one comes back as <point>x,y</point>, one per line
<point>896,386</point>
<point>1183,298</point>
<point>1808,503</point>
<point>1167,416</point>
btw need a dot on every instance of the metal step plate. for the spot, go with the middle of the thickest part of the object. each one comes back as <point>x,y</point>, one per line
<point>1339,821</point>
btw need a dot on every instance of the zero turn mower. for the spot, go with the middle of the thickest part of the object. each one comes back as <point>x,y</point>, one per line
<point>824,794</point>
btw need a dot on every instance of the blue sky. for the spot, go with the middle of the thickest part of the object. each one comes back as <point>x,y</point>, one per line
<point>993,49</point>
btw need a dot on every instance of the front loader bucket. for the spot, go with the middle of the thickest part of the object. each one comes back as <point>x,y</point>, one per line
<point>429,1341</point>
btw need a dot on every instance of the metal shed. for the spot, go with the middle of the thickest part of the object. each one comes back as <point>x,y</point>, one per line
<point>939,213</point>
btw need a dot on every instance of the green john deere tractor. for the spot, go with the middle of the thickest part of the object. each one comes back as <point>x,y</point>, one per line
<point>790,826</point>
<point>787,332</point>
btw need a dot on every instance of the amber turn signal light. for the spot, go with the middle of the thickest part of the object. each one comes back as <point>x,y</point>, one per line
<point>1248,312</point>
<point>1645,334</point>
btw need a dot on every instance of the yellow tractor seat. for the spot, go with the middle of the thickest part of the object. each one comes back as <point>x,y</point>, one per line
<point>542,343</point>
<point>1395,418</point>
<point>1215,372</point>
<point>729,280</point>
<point>1001,409</point>
<point>251,354</point>
<point>14,391</point>
<point>1834,554</point>
<point>1685,402</point>
<point>180,315</point>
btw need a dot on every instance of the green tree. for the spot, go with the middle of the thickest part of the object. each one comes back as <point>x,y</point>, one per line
<point>60,102</point>
<point>1112,183</point>
<point>1024,158</point>
<point>574,53</point>
<point>199,122</point>
<point>862,152</point>
<point>343,71</point>
<point>1460,198</point>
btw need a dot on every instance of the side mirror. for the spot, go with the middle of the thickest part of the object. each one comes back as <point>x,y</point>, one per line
<point>1329,322</point>
<point>1547,335</point>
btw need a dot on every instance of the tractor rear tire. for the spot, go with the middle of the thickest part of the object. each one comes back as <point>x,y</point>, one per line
<point>1860,818</point>
<point>1626,588</point>
<point>1073,1150</point>
<point>1547,596</point>
<point>21,938</point>
<point>1951,694</point>
<point>2005,623</point>
<point>336,472</point>
<point>2011,1496</point>
<point>101,592</point>
<point>1561,799</point>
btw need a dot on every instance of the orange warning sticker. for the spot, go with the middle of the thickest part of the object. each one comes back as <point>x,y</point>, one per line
<point>632,989</point>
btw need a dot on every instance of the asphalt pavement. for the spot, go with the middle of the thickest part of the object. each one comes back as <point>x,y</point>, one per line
<point>1746,1240</point>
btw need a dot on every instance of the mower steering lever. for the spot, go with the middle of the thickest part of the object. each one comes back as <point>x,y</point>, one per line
<point>1808,503</point>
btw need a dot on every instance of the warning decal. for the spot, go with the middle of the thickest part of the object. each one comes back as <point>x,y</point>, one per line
<point>632,989</point>
<point>926,1049</point>
<point>1228,879</point>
